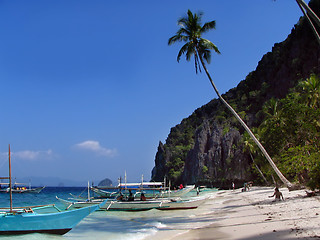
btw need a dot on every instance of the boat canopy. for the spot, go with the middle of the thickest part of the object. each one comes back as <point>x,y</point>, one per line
<point>142,184</point>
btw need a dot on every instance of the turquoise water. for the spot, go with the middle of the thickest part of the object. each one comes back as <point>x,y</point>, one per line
<point>104,224</point>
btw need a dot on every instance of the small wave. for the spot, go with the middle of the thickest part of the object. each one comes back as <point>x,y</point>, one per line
<point>157,225</point>
<point>144,233</point>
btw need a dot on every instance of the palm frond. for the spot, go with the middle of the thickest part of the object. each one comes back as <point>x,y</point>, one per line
<point>206,54</point>
<point>190,51</point>
<point>182,51</point>
<point>208,26</point>
<point>209,45</point>
<point>177,38</point>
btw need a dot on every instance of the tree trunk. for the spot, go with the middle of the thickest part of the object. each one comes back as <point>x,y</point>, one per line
<point>273,165</point>
<point>306,10</point>
<point>261,173</point>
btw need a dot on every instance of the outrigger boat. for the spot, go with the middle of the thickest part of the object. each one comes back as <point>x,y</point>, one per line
<point>137,205</point>
<point>119,201</point>
<point>38,219</point>
<point>22,190</point>
<point>114,205</point>
<point>150,190</point>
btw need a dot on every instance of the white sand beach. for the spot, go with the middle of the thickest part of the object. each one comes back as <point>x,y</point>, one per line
<point>251,215</point>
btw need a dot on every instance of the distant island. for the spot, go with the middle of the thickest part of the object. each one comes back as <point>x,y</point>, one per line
<point>105,182</point>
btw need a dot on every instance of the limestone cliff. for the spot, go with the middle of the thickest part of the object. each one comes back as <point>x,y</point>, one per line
<point>206,147</point>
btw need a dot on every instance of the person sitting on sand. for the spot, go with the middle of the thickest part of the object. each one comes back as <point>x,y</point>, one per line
<point>277,194</point>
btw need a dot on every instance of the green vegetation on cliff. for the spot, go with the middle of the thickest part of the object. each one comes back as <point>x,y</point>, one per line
<point>291,130</point>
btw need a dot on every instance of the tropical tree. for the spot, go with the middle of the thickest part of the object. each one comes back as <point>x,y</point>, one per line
<point>311,91</point>
<point>190,32</point>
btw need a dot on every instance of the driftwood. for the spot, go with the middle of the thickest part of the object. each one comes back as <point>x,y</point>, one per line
<point>312,193</point>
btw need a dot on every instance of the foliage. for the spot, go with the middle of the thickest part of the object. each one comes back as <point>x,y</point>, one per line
<point>204,169</point>
<point>291,130</point>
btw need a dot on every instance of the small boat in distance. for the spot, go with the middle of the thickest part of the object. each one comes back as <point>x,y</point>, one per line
<point>21,189</point>
<point>39,219</point>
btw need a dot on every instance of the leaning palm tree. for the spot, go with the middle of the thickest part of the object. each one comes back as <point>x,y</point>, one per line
<point>191,33</point>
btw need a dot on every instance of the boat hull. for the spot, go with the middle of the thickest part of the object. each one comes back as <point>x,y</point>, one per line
<point>131,206</point>
<point>51,231</point>
<point>115,205</point>
<point>181,204</point>
<point>54,223</point>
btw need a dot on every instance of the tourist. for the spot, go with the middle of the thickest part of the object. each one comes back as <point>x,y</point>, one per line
<point>131,197</point>
<point>142,197</point>
<point>120,197</point>
<point>277,194</point>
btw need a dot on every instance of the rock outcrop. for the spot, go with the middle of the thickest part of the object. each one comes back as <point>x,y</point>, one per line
<point>206,147</point>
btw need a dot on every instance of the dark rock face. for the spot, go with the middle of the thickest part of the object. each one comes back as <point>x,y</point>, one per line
<point>158,172</point>
<point>217,152</point>
<point>216,156</point>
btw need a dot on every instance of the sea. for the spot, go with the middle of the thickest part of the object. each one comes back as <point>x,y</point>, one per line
<point>113,224</point>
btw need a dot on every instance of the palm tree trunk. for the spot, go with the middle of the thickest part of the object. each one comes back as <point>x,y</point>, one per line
<point>273,165</point>
<point>261,173</point>
<point>306,10</point>
<point>314,16</point>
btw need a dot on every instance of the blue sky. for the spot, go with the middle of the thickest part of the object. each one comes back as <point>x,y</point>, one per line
<point>89,88</point>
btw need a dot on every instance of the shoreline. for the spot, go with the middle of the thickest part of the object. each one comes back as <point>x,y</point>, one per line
<point>232,214</point>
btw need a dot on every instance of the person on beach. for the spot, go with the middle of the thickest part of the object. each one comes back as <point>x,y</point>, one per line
<point>142,197</point>
<point>277,194</point>
<point>131,197</point>
<point>232,185</point>
<point>120,197</point>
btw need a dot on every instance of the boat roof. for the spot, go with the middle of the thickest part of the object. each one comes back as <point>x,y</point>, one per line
<point>140,184</point>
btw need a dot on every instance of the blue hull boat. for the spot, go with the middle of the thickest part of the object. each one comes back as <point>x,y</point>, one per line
<point>22,222</point>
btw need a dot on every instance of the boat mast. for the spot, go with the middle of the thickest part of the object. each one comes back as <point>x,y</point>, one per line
<point>88,190</point>
<point>10,184</point>
<point>141,187</point>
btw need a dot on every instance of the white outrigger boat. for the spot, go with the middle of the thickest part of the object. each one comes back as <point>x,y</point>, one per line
<point>155,195</point>
<point>113,205</point>
<point>150,190</point>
